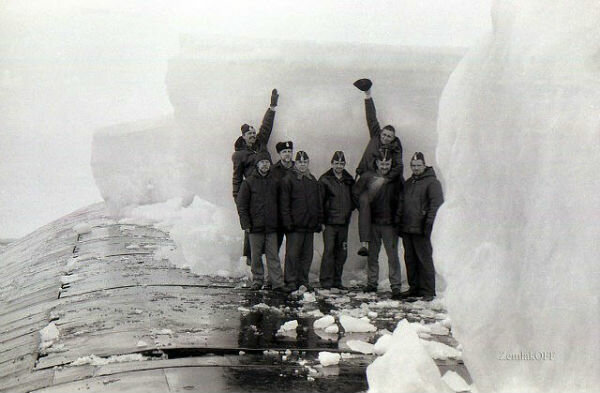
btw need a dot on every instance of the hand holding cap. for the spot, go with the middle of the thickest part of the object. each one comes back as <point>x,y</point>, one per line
<point>363,84</point>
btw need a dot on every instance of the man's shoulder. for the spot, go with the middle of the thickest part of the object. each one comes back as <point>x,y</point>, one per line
<point>327,175</point>
<point>240,155</point>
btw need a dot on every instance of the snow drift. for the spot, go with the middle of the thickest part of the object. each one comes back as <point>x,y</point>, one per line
<point>518,237</point>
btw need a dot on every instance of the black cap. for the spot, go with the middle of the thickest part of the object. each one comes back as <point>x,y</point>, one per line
<point>301,155</point>
<point>284,145</point>
<point>263,155</point>
<point>338,156</point>
<point>418,156</point>
<point>245,128</point>
<point>363,84</point>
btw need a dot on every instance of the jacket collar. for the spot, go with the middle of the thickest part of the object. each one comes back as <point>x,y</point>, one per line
<point>429,172</point>
<point>240,144</point>
<point>299,175</point>
<point>346,177</point>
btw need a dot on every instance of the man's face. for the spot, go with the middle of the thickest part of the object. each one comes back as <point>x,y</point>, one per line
<point>286,155</point>
<point>386,136</point>
<point>338,167</point>
<point>302,165</point>
<point>417,167</point>
<point>250,136</point>
<point>384,166</point>
<point>263,166</point>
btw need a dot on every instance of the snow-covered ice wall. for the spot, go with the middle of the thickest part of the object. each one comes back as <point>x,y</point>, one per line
<point>216,87</point>
<point>518,238</point>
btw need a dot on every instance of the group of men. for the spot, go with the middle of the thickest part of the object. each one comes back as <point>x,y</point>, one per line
<point>285,199</point>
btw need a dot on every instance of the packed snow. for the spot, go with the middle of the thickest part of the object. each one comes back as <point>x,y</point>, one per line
<point>517,238</point>
<point>406,366</point>
<point>382,344</point>
<point>441,351</point>
<point>456,382</point>
<point>48,335</point>
<point>82,228</point>
<point>101,361</point>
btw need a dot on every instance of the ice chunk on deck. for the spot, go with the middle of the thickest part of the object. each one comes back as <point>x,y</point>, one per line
<point>355,325</point>
<point>324,322</point>
<point>360,346</point>
<point>418,373</point>
<point>329,358</point>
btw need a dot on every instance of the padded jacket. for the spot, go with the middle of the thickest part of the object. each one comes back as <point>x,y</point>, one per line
<point>419,203</point>
<point>300,203</point>
<point>244,156</point>
<point>338,199</point>
<point>257,203</point>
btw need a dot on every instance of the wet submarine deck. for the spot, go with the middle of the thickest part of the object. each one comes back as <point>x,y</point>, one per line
<point>111,295</point>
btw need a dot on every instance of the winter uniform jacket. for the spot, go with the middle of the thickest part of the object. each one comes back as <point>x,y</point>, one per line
<point>257,203</point>
<point>385,203</point>
<point>419,203</point>
<point>367,162</point>
<point>244,157</point>
<point>338,200</point>
<point>279,171</point>
<point>300,203</point>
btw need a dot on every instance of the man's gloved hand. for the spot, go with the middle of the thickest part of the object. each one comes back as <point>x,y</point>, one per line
<point>274,97</point>
<point>363,84</point>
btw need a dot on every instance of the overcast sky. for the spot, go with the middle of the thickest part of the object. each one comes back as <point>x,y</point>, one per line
<point>111,56</point>
<point>404,22</point>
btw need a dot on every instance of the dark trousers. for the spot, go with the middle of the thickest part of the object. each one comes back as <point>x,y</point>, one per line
<point>364,217</point>
<point>247,250</point>
<point>298,258</point>
<point>267,242</point>
<point>418,258</point>
<point>335,252</point>
<point>364,208</point>
<point>387,235</point>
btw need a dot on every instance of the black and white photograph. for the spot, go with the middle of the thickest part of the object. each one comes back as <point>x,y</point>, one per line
<point>299,196</point>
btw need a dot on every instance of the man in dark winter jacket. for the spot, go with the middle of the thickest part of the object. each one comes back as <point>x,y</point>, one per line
<point>416,213</point>
<point>257,204</point>
<point>280,170</point>
<point>338,203</point>
<point>246,148</point>
<point>285,163</point>
<point>383,212</point>
<point>301,216</point>
<point>380,139</point>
